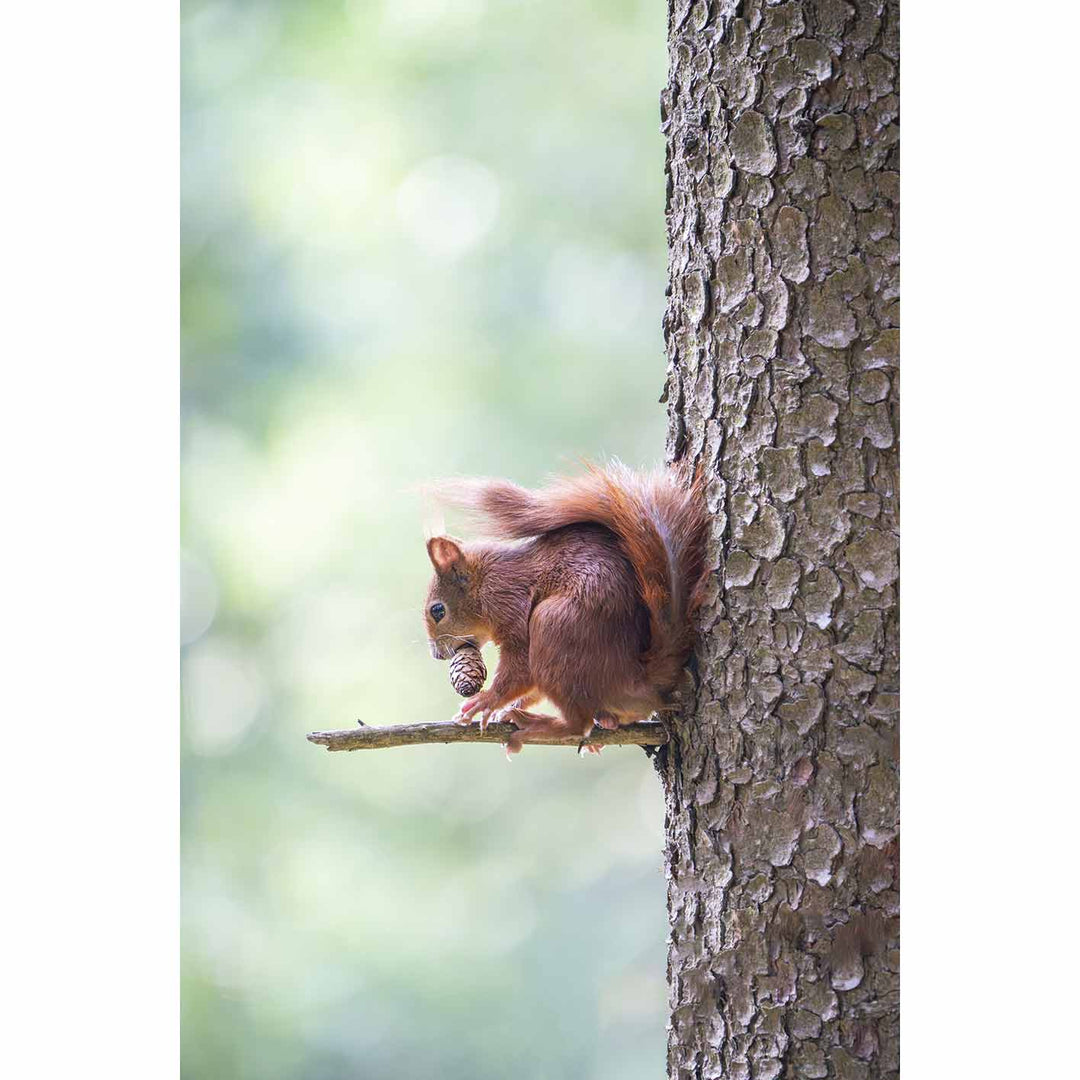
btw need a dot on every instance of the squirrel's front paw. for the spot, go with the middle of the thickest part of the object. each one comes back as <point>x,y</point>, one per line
<point>496,716</point>
<point>479,707</point>
<point>468,707</point>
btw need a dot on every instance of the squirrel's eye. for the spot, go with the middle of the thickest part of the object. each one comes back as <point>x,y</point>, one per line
<point>438,611</point>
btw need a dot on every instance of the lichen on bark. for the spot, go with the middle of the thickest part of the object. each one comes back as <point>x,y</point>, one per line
<point>782,338</point>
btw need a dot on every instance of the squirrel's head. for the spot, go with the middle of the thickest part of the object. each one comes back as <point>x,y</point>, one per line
<point>451,612</point>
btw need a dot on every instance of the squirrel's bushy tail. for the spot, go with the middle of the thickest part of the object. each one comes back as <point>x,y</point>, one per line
<point>661,523</point>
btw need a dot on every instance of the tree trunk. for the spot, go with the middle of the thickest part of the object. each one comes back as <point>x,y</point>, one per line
<point>782,337</point>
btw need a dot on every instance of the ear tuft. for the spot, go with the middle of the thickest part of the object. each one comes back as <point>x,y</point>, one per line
<point>445,554</point>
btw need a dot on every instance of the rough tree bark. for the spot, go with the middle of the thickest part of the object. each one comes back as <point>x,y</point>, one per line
<point>782,337</point>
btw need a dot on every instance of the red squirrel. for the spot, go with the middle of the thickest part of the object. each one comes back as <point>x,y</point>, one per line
<point>588,588</point>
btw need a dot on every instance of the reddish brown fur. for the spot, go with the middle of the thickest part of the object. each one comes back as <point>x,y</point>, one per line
<point>591,611</point>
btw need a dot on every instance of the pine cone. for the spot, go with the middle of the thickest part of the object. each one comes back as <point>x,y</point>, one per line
<point>467,671</point>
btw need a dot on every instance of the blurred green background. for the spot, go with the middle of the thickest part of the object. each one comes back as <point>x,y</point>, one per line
<point>419,238</point>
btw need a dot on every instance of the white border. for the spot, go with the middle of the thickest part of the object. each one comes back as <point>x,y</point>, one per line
<point>989,446</point>
<point>88,432</point>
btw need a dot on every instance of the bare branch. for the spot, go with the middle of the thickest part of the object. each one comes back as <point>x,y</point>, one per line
<point>377,738</point>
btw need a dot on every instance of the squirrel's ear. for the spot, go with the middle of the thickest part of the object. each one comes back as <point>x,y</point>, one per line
<point>446,556</point>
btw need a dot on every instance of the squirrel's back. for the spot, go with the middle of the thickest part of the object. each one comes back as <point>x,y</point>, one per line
<point>658,518</point>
